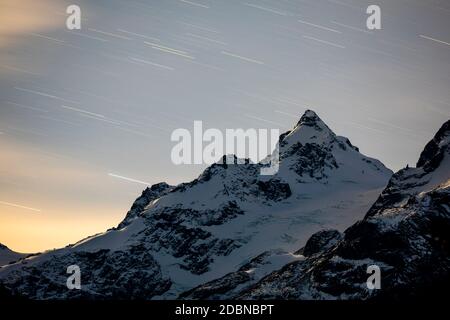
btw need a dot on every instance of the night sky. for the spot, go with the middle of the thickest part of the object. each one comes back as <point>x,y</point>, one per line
<point>83,113</point>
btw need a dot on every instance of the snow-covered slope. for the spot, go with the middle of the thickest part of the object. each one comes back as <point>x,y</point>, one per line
<point>406,233</point>
<point>7,255</point>
<point>433,168</point>
<point>179,237</point>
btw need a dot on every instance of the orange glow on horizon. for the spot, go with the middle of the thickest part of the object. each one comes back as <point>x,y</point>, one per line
<point>29,232</point>
<point>75,200</point>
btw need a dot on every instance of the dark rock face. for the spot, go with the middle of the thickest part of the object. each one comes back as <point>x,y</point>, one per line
<point>312,160</point>
<point>207,217</point>
<point>321,241</point>
<point>228,286</point>
<point>105,274</point>
<point>274,189</point>
<point>433,151</point>
<point>195,246</point>
<point>283,284</point>
<point>412,252</point>
<point>217,289</point>
<point>346,143</point>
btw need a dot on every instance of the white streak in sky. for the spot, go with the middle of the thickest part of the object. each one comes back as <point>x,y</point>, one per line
<point>18,69</point>
<point>138,34</point>
<point>344,4</point>
<point>152,63</point>
<point>258,97</point>
<point>435,40</point>
<point>405,130</point>
<point>110,34</point>
<point>129,179</point>
<point>43,94</point>
<point>194,4</point>
<point>287,114</point>
<point>173,52</point>
<point>46,37</point>
<point>82,111</point>
<point>164,47</point>
<point>119,125</point>
<point>198,27</point>
<point>289,101</point>
<point>265,9</point>
<point>169,50</point>
<point>60,120</point>
<point>351,27</point>
<point>206,39</point>
<point>86,36</point>
<point>364,127</point>
<point>264,120</point>
<point>103,119</point>
<point>241,57</point>
<point>207,66</point>
<point>318,26</point>
<point>26,107</point>
<point>325,42</point>
<point>90,68</point>
<point>19,206</point>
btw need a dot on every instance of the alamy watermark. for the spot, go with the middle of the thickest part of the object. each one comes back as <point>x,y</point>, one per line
<point>374,280</point>
<point>373,22</point>
<point>74,280</point>
<point>209,146</point>
<point>73,21</point>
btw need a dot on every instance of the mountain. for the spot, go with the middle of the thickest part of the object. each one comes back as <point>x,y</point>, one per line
<point>406,233</point>
<point>7,255</point>
<point>176,238</point>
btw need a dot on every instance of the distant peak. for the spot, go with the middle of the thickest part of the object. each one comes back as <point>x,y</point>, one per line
<point>3,247</point>
<point>309,129</point>
<point>310,113</point>
<point>309,118</point>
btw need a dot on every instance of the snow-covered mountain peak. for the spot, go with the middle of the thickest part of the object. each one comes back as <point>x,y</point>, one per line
<point>200,230</point>
<point>311,119</point>
<point>316,154</point>
<point>309,129</point>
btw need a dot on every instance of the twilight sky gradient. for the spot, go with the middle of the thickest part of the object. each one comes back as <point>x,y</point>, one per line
<point>76,106</point>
